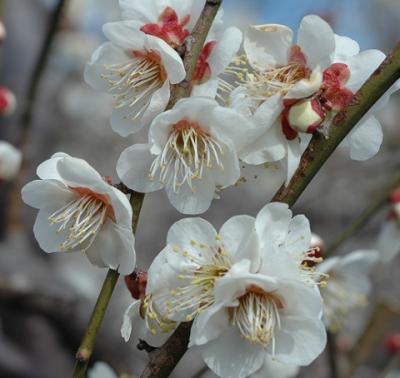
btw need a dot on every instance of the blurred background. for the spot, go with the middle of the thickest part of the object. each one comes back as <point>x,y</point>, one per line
<point>46,301</point>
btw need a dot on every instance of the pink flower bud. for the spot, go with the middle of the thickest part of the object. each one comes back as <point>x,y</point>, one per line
<point>8,102</point>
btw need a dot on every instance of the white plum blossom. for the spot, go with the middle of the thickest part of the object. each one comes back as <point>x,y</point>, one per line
<point>292,91</point>
<point>80,211</point>
<point>193,150</point>
<point>348,285</point>
<point>169,20</point>
<point>101,370</point>
<point>389,237</point>
<point>10,161</point>
<point>275,369</point>
<point>173,21</point>
<point>247,288</point>
<point>137,69</point>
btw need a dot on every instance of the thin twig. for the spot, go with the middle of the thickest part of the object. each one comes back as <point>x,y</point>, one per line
<point>87,345</point>
<point>332,355</point>
<point>365,216</point>
<point>320,148</point>
<point>41,63</point>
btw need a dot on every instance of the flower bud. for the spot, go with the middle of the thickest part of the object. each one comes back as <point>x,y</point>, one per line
<point>393,343</point>
<point>136,283</point>
<point>8,102</point>
<point>317,242</point>
<point>3,32</point>
<point>306,116</point>
<point>10,161</point>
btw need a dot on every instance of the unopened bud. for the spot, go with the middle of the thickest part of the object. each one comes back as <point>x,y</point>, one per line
<point>136,283</point>
<point>393,343</point>
<point>317,242</point>
<point>10,161</point>
<point>306,116</point>
<point>8,102</point>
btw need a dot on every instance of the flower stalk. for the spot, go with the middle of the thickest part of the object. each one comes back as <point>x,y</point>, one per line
<point>87,345</point>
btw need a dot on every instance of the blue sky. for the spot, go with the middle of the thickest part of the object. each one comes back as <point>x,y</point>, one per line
<point>352,18</point>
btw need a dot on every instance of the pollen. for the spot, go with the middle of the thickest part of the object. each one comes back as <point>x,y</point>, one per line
<point>134,82</point>
<point>257,316</point>
<point>188,153</point>
<point>81,220</point>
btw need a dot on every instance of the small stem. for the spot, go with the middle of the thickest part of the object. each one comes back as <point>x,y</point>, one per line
<point>320,148</point>
<point>392,365</point>
<point>332,355</point>
<point>365,216</point>
<point>86,348</point>
<point>41,63</point>
<point>194,45</point>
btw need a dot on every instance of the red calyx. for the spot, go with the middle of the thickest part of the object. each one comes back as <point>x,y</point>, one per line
<point>395,196</point>
<point>136,283</point>
<point>169,28</point>
<point>202,72</point>
<point>392,343</point>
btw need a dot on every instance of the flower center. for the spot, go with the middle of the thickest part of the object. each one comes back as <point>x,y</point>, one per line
<point>82,219</point>
<point>197,290</point>
<point>188,152</point>
<point>169,28</point>
<point>135,82</point>
<point>257,316</point>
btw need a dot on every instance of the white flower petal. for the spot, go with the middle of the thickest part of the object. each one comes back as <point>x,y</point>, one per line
<point>131,315</point>
<point>300,340</point>
<point>272,223</point>
<point>317,41</point>
<point>183,232</point>
<point>293,158</point>
<point>230,174</point>
<point>106,54</point>
<point>275,369</point>
<point>48,169</point>
<point>362,66</point>
<point>306,87</point>
<point>125,35</point>
<point>170,59</point>
<point>43,194</point>
<point>268,45</point>
<point>146,11</point>
<point>77,173</point>
<point>345,48</point>
<point>389,241</point>
<point>101,370</point>
<point>230,357</point>
<point>298,239</point>
<point>193,202</point>
<point>133,169</point>
<point>10,161</point>
<point>365,140</point>
<point>225,50</point>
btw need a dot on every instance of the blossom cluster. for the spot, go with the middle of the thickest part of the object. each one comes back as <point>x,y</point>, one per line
<point>256,290</point>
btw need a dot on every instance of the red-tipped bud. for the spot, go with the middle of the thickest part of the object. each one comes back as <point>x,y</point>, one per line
<point>136,283</point>
<point>392,343</point>
<point>306,116</point>
<point>8,102</point>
